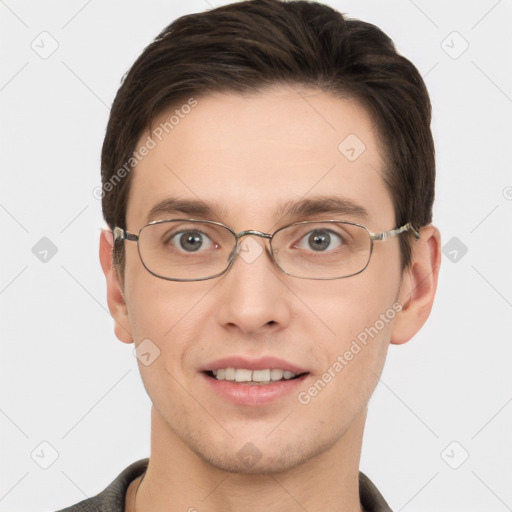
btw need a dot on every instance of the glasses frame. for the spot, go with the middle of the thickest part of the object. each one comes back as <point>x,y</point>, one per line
<point>122,234</point>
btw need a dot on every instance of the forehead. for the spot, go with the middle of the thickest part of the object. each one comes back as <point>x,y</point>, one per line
<point>250,158</point>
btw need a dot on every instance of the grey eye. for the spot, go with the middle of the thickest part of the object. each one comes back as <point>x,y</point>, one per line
<point>191,241</point>
<point>320,240</point>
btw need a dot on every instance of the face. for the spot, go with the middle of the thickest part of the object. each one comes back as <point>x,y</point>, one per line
<point>250,157</point>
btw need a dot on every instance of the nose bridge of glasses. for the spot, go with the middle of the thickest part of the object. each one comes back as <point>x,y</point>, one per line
<point>248,232</point>
<point>252,232</point>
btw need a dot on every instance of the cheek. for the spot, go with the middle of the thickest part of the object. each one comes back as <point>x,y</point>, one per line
<point>346,307</point>
<point>359,313</point>
<point>166,313</point>
<point>162,323</point>
<point>352,358</point>
<point>151,305</point>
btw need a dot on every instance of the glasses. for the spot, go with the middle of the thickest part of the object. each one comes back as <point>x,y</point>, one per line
<point>196,250</point>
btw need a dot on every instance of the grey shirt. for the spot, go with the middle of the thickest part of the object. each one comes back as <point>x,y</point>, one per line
<point>112,499</point>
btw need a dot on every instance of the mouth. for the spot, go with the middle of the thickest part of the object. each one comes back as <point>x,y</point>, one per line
<point>245,376</point>
<point>246,381</point>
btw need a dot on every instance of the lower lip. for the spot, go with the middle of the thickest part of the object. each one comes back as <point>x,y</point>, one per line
<point>241,393</point>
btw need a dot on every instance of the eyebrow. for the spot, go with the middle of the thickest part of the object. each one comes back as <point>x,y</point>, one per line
<point>291,209</point>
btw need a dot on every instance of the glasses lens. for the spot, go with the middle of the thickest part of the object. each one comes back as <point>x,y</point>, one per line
<point>185,250</point>
<point>322,250</point>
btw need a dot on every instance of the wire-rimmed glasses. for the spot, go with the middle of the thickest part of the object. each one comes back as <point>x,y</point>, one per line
<point>196,250</point>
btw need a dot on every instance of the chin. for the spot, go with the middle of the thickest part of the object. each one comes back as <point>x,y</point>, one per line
<point>261,456</point>
<point>257,463</point>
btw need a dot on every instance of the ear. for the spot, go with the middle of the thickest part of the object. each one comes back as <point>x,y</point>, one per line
<point>419,284</point>
<point>115,296</point>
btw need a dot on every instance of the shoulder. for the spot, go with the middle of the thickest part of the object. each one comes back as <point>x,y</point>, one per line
<point>370,497</point>
<point>112,498</point>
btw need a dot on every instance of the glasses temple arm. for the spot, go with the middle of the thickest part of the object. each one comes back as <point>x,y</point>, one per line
<point>394,232</point>
<point>121,234</point>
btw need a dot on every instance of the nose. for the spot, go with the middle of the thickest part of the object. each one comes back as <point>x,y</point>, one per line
<point>253,297</point>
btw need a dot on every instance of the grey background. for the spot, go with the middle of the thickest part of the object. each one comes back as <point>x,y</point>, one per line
<point>67,381</point>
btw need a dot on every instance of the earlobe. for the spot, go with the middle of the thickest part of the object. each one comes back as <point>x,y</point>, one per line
<point>418,286</point>
<point>115,295</point>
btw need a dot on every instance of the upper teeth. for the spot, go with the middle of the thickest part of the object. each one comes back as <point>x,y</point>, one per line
<point>243,375</point>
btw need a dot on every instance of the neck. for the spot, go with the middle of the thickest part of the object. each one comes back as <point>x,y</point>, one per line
<point>177,479</point>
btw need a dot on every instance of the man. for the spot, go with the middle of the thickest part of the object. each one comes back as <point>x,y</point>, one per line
<point>268,175</point>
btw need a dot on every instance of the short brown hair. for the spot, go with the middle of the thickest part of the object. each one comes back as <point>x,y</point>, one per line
<point>247,46</point>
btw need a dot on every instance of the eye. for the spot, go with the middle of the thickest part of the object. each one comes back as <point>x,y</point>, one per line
<point>321,240</point>
<point>191,240</point>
